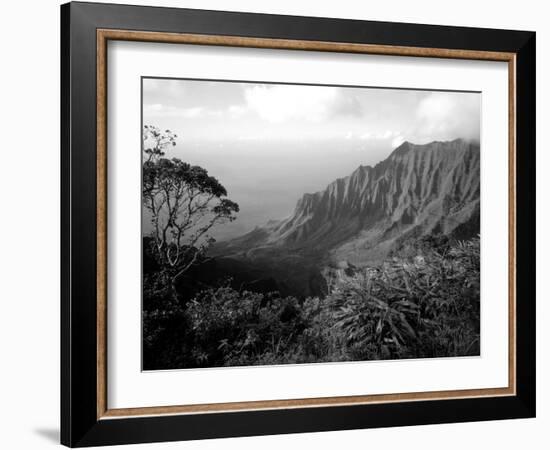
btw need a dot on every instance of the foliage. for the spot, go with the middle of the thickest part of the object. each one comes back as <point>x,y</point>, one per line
<point>156,142</point>
<point>222,326</point>
<point>236,328</point>
<point>427,307</point>
<point>423,306</point>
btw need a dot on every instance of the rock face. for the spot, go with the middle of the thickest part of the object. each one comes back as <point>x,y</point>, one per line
<point>417,191</point>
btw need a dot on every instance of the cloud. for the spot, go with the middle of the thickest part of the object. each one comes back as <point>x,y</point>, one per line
<point>383,117</point>
<point>346,105</point>
<point>164,91</point>
<point>236,111</point>
<point>190,113</point>
<point>397,141</point>
<point>159,110</point>
<point>366,135</point>
<point>282,103</point>
<point>385,135</point>
<point>446,116</point>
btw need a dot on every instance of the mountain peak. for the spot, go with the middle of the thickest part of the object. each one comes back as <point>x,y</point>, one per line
<point>402,149</point>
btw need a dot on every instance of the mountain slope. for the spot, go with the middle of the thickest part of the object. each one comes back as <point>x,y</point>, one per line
<point>419,190</point>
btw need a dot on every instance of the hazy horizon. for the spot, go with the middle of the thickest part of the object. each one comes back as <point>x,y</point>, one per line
<point>268,144</point>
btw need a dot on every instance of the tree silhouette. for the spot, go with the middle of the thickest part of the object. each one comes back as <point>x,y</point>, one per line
<point>184,204</point>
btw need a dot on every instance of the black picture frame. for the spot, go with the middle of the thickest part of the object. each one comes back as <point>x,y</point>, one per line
<point>80,425</point>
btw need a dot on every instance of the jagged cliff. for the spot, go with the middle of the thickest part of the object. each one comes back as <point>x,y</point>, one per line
<point>416,191</point>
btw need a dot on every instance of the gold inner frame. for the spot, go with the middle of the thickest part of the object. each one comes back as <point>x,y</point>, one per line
<point>104,35</point>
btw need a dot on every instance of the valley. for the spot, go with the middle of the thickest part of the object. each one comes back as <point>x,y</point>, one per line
<point>361,220</point>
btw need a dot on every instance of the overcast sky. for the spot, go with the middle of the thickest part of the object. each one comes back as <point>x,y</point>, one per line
<point>270,143</point>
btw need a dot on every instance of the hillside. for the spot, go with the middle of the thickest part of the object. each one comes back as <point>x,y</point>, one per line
<point>417,191</point>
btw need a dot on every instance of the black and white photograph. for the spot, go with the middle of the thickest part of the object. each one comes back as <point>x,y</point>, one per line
<point>289,224</point>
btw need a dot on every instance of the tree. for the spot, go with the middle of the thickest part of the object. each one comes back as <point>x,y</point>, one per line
<point>184,204</point>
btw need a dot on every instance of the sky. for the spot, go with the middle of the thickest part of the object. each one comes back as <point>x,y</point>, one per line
<point>268,144</point>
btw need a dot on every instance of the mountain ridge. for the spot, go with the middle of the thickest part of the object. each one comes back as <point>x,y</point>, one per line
<point>362,219</point>
<point>414,182</point>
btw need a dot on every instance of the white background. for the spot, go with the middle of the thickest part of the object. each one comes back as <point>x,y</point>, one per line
<point>129,387</point>
<point>29,230</point>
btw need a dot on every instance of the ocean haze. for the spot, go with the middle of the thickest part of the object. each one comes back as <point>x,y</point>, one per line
<point>266,181</point>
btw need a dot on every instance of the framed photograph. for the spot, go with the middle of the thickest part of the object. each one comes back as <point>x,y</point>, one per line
<point>277,224</point>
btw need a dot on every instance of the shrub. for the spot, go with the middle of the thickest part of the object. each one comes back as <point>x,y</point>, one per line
<point>408,307</point>
<point>424,307</point>
<point>236,328</point>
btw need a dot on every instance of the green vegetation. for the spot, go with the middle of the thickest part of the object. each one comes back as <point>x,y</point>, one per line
<point>426,305</point>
